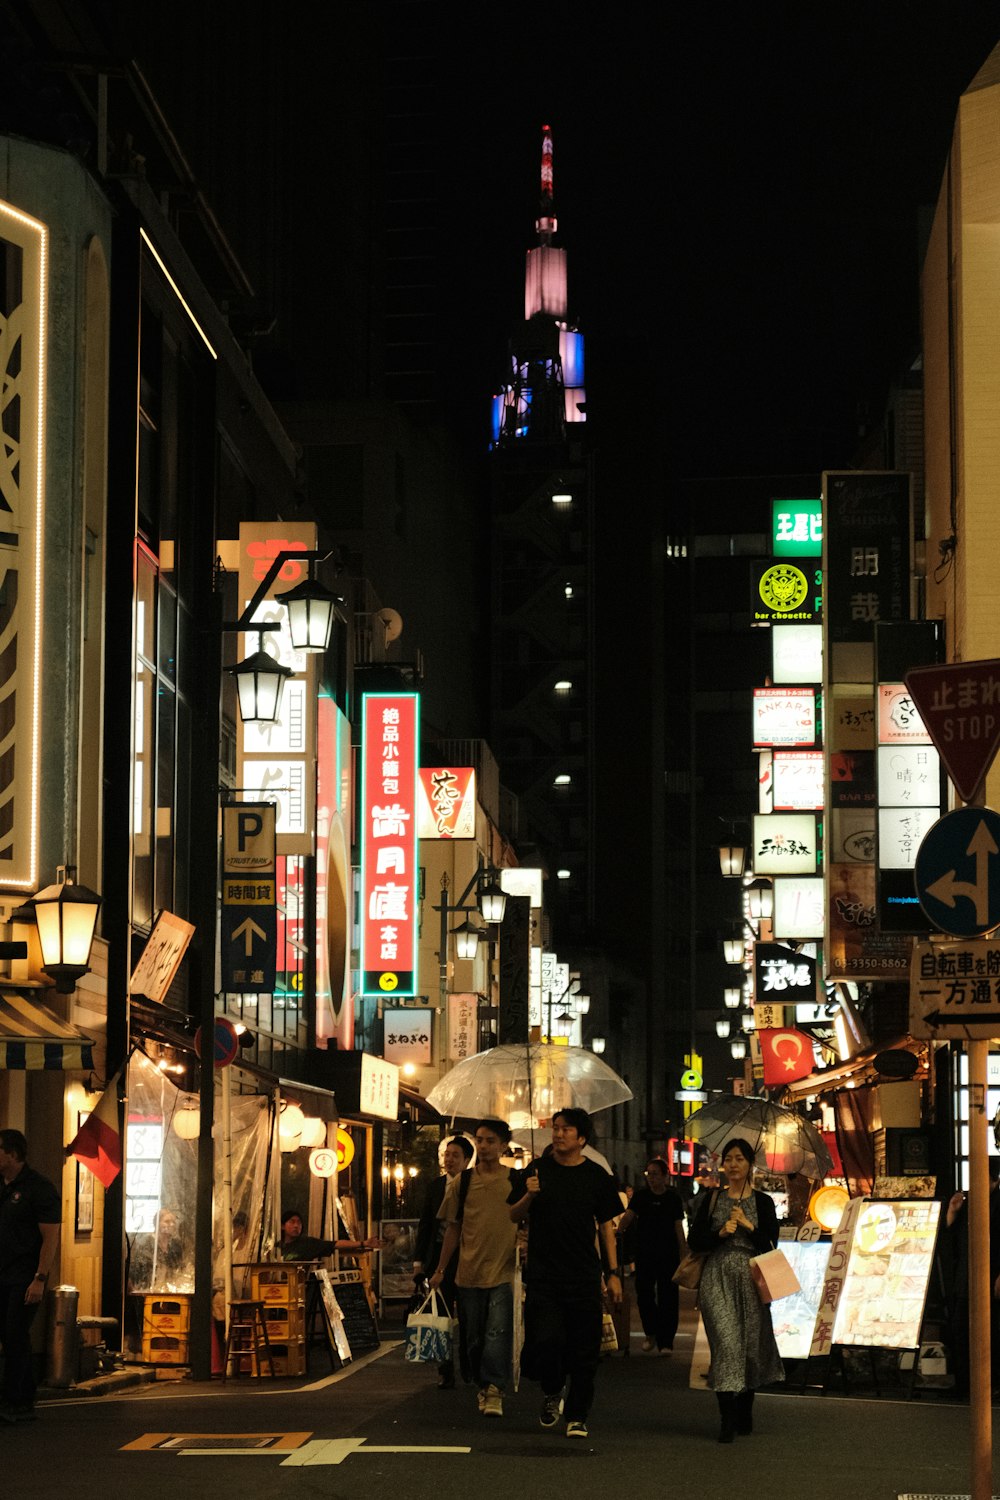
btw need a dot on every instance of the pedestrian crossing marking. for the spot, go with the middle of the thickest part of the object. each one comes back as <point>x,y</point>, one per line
<point>296,1449</point>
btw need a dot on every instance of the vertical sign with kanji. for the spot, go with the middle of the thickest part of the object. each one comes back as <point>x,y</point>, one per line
<point>867,558</point>
<point>389,875</point>
<point>249,929</point>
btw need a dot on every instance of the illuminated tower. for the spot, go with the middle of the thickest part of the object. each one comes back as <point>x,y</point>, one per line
<point>541,552</point>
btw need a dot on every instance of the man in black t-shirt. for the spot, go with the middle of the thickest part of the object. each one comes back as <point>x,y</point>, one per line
<point>658,1214</point>
<point>30,1215</point>
<point>571,1203</point>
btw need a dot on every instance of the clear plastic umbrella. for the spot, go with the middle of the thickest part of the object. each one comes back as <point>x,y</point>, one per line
<point>526,1085</point>
<point>783,1140</point>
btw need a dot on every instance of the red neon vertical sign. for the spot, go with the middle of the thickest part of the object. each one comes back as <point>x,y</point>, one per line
<point>389,875</point>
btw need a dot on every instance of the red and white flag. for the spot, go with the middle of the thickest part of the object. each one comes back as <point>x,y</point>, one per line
<point>787,1055</point>
<point>98,1142</point>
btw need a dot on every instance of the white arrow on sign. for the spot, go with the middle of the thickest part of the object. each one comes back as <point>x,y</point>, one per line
<point>248,929</point>
<point>947,889</point>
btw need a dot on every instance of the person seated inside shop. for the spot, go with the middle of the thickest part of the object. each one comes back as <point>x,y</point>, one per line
<point>161,1261</point>
<point>298,1246</point>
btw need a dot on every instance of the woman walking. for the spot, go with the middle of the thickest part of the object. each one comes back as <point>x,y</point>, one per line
<point>732,1225</point>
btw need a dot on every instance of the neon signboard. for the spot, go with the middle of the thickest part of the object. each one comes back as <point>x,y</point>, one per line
<point>389,874</point>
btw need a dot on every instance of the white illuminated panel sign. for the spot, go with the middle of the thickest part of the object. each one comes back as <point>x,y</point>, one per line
<point>407,1037</point>
<point>379,1094</point>
<point>797,653</point>
<point>797,780</point>
<point>899,723</point>
<point>853,837</point>
<point>784,844</point>
<point>389,873</point>
<point>523,881</point>
<point>784,717</point>
<point>798,907</point>
<point>909,776</point>
<point>900,830</point>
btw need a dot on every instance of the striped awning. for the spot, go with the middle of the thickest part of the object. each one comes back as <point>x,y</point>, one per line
<point>31,1036</point>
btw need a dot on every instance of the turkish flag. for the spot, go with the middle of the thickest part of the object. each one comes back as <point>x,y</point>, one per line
<point>98,1142</point>
<point>787,1055</point>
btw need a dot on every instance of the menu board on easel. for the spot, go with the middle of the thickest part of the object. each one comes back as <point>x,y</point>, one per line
<point>890,1259</point>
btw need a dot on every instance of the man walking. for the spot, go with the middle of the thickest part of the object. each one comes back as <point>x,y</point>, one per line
<point>30,1214</point>
<point>430,1235</point>
<point>658,1214</point>
<point>571,1202</point>
<point>474,1209</point>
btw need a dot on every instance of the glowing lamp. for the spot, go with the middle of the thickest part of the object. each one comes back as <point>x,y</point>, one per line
<point>732,950</point>
<point>731,995</point>
<point>760,900</point>
<point>826,1206</point>
<point>597,1045</point>
<point>291,1122</point>
<point>731,861</point>
<point>492,901</point>
<point>738,1047</point>
<point>467,939</point>
<point>260,685</point>
<point>311,610</point>
<point>722,1027</point>
<point>66,915</point>
<point>186,1122</point>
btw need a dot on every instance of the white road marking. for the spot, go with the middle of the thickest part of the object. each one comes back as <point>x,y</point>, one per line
<point>318,1452</point>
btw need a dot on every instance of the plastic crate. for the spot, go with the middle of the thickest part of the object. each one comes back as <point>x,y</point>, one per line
<point>162,1314</point>
<point>165,1349</point>
<point>285,1323</point>
<point>280,1285</point>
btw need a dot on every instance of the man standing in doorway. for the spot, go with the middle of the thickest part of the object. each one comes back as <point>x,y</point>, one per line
<point>30,1214</point>
<point>572,1202</point>
<point>474,1209</point>
<point>658,1214</point>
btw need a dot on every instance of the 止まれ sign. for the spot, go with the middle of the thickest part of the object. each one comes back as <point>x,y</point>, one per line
<point>960,708</point>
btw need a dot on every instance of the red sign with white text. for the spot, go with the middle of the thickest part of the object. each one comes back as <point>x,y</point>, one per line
<point>389,875</point>
<point>960,706</point>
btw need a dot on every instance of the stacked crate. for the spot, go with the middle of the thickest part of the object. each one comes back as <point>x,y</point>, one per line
<point>166,1329</point>
<point>281,1291</point>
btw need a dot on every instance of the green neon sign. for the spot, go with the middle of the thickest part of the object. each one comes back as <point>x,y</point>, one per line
<point>797,528</point>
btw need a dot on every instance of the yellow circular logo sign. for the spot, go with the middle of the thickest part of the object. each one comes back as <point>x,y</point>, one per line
<point>345,1149</point>
<point>783,588</point>
<point>388,981</point>
<point>691,1079</point>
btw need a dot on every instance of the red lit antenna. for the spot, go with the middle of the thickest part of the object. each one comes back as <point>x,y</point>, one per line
<point>546,222</point>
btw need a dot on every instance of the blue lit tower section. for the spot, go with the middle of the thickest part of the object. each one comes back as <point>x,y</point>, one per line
<point>541,561</point>
<point>544,389</point>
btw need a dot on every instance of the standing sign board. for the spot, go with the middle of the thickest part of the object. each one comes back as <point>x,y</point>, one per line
<point>249,939</point>
<point>960,707</point>
<point>889,1265</point>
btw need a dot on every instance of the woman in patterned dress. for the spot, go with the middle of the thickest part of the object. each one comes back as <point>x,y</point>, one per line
<point>732,1225</point>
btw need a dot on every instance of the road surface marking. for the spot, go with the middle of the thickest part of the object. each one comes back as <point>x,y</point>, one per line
<point>265,1442</point>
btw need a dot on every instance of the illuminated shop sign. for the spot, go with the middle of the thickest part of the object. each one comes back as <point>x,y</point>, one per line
<point>786,589</point>
<point>909,776</point>
<point>447,803</point>
<point>798,907</point>
<point>797,780</point>
<point>797,528</point>
<point>899,723</point>
<point>389,874</point>
<point>784,844</point>
<point>784,716</point>
<point>797,653</point>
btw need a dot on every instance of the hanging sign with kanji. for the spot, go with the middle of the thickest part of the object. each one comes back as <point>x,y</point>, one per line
<point>960,707</point>
<point>249,926</point>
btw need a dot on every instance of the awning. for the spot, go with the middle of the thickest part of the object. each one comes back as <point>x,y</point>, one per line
<point>858,1070</point>
<point>32,1036</point>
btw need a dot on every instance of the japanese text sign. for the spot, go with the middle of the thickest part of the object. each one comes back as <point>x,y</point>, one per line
<point>407,1036</point>
<point>960,706</point>
<point>447,807</point>
<point>784,716</point>
<point>389,874</point>
<point>867,552</point>
<point>955,989</point>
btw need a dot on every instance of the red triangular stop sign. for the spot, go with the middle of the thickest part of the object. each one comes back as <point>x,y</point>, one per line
<point>960,707</point>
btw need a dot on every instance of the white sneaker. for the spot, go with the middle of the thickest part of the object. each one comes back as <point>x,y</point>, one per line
<point>492,1402</point>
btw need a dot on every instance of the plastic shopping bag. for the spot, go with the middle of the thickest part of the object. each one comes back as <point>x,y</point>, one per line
<point>773,1276</point>
<point>429,1332</point>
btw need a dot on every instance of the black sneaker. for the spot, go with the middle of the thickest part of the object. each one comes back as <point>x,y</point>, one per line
<point>576,1430</point>
<point>551,1411</point>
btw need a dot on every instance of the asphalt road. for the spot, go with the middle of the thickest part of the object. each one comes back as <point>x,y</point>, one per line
<point>373,1429</point>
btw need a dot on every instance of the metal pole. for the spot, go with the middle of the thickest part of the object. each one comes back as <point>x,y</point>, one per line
<point>227,1189</point>
<point>980,1289</point>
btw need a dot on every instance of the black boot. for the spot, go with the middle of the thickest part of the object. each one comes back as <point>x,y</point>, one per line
<point>727,1411</point>
<point>744,1413</point>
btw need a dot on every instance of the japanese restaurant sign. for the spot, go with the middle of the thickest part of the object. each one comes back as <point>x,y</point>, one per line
<point>797,780</point>
<point>784,844</point>
<point>833,1281</point>
<point>389,874</point>
<point>462,1027</point>
<point>797,528</point>
<point>447,805</point>
<point>867,551</point>
<point>407,1036</point>
<point>889,1262</point>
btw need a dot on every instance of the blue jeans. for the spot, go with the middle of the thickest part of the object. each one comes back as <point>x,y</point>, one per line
<point>487,1315</point>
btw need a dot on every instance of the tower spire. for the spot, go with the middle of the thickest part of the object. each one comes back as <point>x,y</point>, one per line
<point>546,221</point>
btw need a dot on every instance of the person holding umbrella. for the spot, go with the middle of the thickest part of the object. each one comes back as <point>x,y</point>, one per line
<point>733,1224</point>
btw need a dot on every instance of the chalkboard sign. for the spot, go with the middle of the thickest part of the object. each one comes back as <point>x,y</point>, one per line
<point>359,1320</point>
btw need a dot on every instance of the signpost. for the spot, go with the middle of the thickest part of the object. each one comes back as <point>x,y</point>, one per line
<point>957,872</point>
<point>249,927</point>
<point>960,706</point>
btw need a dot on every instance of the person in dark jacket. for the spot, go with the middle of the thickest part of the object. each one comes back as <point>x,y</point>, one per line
<point>732,1225</point>
<point>430,1234</point>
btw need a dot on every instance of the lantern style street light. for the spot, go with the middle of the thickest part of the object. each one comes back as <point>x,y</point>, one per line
<point>738,1047</point>
<point>731,995</point>
<point>260,679</point>
<point>722,1027</point>
<point>260,686</point>
<point>760,899</point>
<point>311,610</point>
<point>732,950</point>
<point>732,858</point>
<point>597,1045</point>
<point>66,916</point>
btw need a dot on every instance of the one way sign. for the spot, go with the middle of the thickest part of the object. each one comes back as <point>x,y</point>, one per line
<point>955,989</point>
<point>249,898</point>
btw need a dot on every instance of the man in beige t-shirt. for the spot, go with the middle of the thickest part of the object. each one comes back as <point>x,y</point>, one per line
<point>475,1210</point>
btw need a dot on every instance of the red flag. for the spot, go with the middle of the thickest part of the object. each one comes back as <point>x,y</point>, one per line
<point>787,1055</point>
<point>98,1142</point>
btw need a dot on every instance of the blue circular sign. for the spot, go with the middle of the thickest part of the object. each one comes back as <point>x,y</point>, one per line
<point>957,872</point>
<point>225,1042</point>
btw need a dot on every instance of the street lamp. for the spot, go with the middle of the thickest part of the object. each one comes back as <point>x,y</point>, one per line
<point>731,995</point>
<point>732,950</point>
<point>722,1027</point>
<point>491,904</point>
<point>597,1045</point>
<point>66,915</point>
<point>492,900</point>
<point>467,936</point>
<point>732,858</point>
<point>311,609</point>
<point>260,686</point>
<point>260,680</point>
<point>760,899</point>
<point>738,1047</point>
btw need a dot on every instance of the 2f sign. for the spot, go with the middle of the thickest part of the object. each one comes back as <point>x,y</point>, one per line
<point>248,838</point>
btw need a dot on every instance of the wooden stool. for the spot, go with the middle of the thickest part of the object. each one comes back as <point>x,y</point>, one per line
<point>246,1338</point>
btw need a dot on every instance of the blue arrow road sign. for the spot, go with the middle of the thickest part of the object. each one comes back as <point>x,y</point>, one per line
<point>957,872</point>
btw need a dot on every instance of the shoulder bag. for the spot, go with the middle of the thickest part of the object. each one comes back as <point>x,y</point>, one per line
<point>688,1273</point>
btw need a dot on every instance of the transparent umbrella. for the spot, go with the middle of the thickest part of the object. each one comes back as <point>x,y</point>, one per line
<point>783,1140</point>
<point>525,1085</point>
